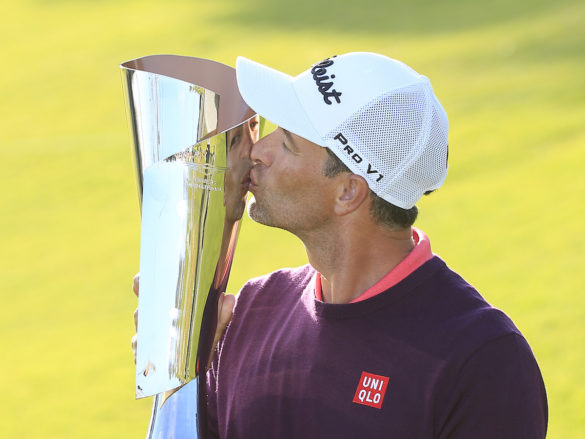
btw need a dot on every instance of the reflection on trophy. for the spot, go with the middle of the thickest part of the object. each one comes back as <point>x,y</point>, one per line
<point>192,136</point>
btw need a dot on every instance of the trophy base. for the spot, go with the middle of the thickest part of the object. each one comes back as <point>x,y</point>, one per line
<point>174,414</point>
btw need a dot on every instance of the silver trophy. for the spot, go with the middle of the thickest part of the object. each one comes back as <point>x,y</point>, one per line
<point>192,136</point>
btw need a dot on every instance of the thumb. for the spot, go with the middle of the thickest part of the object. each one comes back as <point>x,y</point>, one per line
<point>225,311</point>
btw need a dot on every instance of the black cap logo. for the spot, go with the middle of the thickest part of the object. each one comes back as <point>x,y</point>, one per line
<point>325,82</point>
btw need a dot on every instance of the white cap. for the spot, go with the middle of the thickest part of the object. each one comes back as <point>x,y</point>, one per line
<point>379,116</point>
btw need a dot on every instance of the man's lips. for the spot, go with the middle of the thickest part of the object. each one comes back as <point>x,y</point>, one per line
<point>252,178</point>
<point>248,181</point>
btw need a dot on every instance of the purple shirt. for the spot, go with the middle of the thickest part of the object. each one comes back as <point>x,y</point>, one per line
<point>428,358</point>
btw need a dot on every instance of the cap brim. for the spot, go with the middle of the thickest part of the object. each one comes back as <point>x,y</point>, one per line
<point>271,94</point>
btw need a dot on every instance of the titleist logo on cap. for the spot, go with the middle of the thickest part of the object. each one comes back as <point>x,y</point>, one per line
<point>324,82</point>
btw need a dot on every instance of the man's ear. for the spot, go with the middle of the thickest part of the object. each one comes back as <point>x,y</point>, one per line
<point>352,191</point>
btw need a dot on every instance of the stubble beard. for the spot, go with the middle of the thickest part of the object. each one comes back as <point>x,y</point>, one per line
<point>302,226</point>
<point>259,214</point>
<point>264,213</point>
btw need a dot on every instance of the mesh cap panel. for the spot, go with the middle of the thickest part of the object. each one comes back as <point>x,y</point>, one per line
<point>400,140</point>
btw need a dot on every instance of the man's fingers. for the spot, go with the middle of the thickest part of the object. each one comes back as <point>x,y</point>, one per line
<point>134,344</point>
<point>135,288</point>
<point>224,313</point>
<point>136,284</point>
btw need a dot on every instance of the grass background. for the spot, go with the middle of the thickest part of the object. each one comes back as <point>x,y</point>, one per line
<point>509,218</point>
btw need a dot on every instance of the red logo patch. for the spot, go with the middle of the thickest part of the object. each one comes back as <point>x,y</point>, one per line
<point>371,390</point>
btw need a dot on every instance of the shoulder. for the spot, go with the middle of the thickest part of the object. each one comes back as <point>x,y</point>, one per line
<point>458,305</point>
<point>286,275</point>
<point>275,286</point>
<point>454,319</point>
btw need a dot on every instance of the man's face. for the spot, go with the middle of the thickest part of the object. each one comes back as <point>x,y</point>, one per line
<point>289,186</point>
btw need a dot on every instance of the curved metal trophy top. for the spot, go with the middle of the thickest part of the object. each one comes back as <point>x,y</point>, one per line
<point>178,101</point>
<point>192,135</point>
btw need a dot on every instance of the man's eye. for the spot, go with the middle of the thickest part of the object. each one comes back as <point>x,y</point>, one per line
<point>234,141</point>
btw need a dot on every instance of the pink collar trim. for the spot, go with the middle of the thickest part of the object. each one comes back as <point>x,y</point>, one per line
<point>420,254</point>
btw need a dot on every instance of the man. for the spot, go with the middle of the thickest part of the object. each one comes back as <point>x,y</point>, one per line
<point>376,337</point>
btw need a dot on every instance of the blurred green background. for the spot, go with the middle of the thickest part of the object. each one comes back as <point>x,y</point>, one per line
<point>509,218</point>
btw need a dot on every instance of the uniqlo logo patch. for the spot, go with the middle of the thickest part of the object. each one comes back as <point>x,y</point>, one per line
<point>371,390</point>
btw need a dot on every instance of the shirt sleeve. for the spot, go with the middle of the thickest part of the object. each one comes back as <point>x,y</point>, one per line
<point>498,393</point>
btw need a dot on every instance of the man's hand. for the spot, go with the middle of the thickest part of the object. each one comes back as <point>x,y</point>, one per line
<point>225,311</point>
<point>135,288</point>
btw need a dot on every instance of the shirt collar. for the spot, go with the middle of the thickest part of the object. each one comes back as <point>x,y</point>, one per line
<point>420,254</point>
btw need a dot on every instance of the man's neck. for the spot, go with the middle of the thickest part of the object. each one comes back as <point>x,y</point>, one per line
<point>350,263</point>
